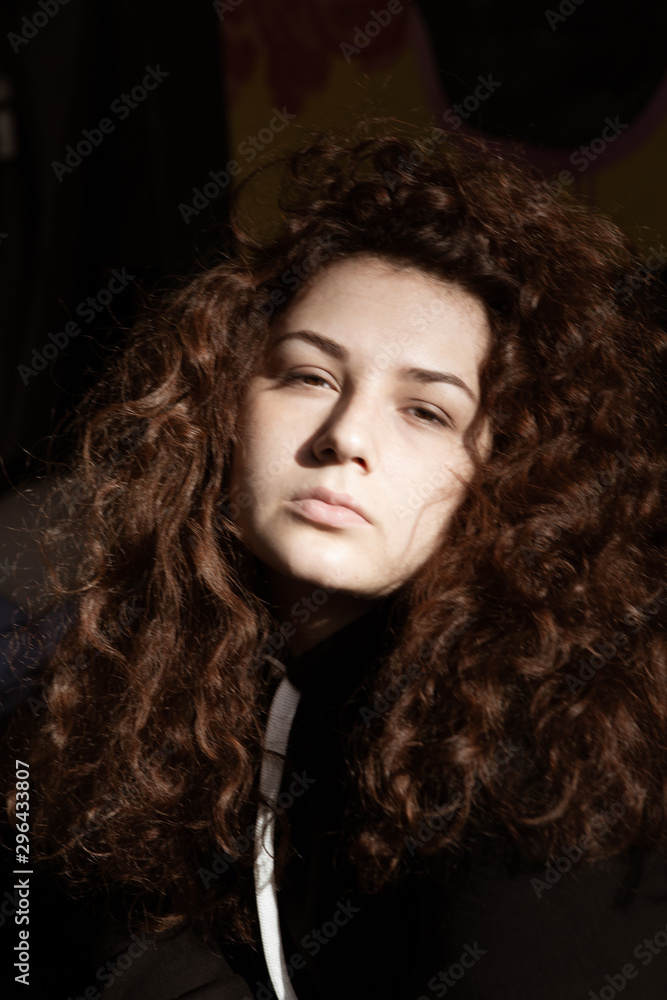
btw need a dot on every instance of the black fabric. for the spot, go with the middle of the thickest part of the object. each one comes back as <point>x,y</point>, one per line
<point>485,925</point>
<point>167,968</point>
<point>482,925</point>
<point>116,210</point>
<point>82,950</point>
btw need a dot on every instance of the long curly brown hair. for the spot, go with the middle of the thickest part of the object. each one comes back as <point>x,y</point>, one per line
<point>537,625</point>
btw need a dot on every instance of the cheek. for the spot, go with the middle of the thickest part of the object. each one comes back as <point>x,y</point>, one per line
<point>422,523</point>
<point>427,490</point>
<point>265,454</point>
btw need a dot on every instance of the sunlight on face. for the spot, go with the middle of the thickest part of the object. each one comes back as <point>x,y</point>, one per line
<point>369,383</point>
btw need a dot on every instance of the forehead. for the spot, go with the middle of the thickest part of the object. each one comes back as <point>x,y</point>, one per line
<point>369,304</point>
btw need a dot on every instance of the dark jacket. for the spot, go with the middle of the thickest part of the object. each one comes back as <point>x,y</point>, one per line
<point>484,925</point>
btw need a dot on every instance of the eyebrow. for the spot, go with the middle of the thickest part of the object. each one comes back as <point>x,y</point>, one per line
<point>423,375</point>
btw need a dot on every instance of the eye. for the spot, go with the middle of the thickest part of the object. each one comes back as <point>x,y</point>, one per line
<point>430,417</point>
<point>302,376</point>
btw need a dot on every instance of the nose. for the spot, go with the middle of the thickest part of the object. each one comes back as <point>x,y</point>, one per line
<point>347,433</point>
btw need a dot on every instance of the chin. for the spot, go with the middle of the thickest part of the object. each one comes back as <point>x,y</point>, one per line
<point>308,569</point>
<point>321,577</point>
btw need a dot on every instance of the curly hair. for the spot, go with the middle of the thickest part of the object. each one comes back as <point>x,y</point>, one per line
<point>538,623</point>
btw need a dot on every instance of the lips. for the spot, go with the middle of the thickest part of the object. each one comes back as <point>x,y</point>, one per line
<point>314,502</point>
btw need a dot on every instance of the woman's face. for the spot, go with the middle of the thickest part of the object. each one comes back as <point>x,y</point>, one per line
<point>369,383</point>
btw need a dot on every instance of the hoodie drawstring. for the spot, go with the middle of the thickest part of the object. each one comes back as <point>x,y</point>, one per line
<point>278,727</point>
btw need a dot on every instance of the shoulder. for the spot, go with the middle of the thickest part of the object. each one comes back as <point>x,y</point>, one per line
<point>161,967</point>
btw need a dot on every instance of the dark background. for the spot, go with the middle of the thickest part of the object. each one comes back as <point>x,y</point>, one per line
<point>564,71</point>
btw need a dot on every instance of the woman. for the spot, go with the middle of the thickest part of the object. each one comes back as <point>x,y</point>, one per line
<point>366,688</point>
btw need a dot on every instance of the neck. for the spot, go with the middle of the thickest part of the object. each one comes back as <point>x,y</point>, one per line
<point>307,614</point>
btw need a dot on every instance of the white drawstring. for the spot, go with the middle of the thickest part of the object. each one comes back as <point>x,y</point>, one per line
<point>278,727</point>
